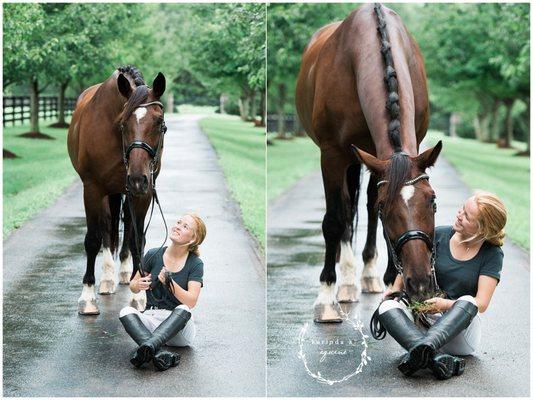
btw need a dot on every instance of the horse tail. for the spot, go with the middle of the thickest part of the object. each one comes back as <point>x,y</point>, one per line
<point>115,202</point>
<point>353,183</point>
<point>391,81</point>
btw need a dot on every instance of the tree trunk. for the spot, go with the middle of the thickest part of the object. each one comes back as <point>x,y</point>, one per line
<point>507,134</point>
<point>454,120</point>
<point>170,103</point>
<point>262,106</point>
<point>528,138</point>
<point>481,127</point>
<point>222,100</point>
<point>244,107</point>
<point>61,106</point>
<point>281,110</point>
<point>495,124</point>
<point>253,106</point>
<point>34,105</point>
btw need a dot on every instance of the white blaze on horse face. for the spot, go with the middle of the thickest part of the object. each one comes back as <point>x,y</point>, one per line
<point>326,295</point>
<point>347,265</point>
<point>407,192</point>
<point>140,113</point>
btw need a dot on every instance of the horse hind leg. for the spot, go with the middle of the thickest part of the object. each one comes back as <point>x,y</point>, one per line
<point>348,291</point>
<point>107,282</point>
<point>370,282</point>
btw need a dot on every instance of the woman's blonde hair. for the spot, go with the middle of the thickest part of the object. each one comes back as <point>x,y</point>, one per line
<point>491,218</point>
<point>199,233</point>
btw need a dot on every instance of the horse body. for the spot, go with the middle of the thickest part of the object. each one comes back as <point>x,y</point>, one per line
<point>342,100</point>
<point>98,134</point>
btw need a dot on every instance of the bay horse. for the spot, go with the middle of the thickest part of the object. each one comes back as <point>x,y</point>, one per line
<point>362,97</point>
<point>115,143</point>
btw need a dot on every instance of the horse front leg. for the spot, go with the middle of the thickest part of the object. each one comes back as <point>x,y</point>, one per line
<point>92,198</point>
<point>126,259</point>
<point>107,282</point>
<point>326,308</point>
<point>348,291</point>
<point>137,241</point>
<point>370,277</point>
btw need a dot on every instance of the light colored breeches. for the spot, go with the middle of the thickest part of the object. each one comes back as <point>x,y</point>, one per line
<point>464,344</point>
<point>153,318</point>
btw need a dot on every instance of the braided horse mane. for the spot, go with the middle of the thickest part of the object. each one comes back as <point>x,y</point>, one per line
<point>400,165</point>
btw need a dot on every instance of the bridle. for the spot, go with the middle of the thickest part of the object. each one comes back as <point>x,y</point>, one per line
<point>395,247</point>
<point>139,144</point>
<point>155,155</point>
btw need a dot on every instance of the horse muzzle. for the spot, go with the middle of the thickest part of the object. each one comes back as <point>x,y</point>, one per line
<point>137,185</point>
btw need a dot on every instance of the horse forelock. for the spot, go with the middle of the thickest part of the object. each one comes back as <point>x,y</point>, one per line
<point>138,97</point>
<point>398,172</point>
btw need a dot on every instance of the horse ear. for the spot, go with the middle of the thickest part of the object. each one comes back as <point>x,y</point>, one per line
<point>374,164</point>
<point>427,158</point>
<point>124,86</point>
<point>158,87</point>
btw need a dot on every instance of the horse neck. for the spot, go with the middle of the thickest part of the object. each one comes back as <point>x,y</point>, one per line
<point>110,100</point>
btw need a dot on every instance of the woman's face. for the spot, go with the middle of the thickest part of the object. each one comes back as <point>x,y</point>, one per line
<point>183,231</point>
<point>466,219</point>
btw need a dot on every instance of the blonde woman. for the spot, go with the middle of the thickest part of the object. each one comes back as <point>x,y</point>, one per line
<point>468,263</point>
<point>178,272</point>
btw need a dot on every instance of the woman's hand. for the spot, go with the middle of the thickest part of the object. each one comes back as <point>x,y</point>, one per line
<point>140,283</point>
<point>162,275</point>
<point>440,304</point>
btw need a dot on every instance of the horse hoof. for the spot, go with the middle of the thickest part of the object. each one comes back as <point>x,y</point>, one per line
<point>88,307</point>
<point>124,278</point>
<point>107,287</point>
<point>347,294</point>
<point>327,313</point>
<point>139,305</point>
<point>371,285</point>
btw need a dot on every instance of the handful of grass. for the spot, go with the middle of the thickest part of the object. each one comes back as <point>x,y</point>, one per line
<point>419,306</point>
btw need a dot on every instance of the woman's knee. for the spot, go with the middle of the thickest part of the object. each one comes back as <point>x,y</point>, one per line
<point>468,298</point>
<point>388,305</point>
<point>184,307</point>
<point>128,310</point>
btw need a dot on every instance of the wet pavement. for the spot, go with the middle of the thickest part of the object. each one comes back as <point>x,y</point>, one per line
<point>308,359</point>
<point>49,350</point>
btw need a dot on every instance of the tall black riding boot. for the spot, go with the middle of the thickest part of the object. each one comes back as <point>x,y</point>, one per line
<point>140,333</point>
<point>175,322</point>
<point>443,331</point>
<point>407,334</point>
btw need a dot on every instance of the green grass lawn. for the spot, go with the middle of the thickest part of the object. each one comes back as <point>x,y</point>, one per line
<point>288,162</point>
<point>36,179</point>
<point>484,166</point>
<point>241,151</point>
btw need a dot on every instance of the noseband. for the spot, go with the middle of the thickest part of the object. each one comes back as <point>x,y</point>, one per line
<point>396,246</point>
<point>139,144</point>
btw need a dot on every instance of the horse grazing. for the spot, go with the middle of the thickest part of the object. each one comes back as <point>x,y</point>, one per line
<point>115,142</point>
<point>362,97</point>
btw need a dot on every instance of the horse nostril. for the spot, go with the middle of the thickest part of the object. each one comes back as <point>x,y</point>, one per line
<point>409,285</point>
<point>145,181</point>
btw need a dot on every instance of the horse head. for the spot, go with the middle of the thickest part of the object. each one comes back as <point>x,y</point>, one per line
<point>406,205</point>
<point>142,126</point>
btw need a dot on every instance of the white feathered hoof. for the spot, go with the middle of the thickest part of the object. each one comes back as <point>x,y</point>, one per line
<point>107,287</point>
<point>371,284</point>
<point>88,307</point>
<point>124,278</point>
<point>327,313</point>
<point>347,294</point>
<point>138,301</point>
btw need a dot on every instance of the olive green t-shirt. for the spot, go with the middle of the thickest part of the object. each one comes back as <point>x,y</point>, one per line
<point>159,296</point>
<point>458,278</point>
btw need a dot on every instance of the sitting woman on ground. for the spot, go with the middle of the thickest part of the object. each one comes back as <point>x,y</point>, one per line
<point>178,272</point>
<point>468,264</point>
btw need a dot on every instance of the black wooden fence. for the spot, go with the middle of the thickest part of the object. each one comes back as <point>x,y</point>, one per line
<point>16,109</point>
<point>291,123</point>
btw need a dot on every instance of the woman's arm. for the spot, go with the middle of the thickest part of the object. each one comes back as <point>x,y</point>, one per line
<point>188,297</point>
<point>485,289</point>
<point>397,286</point>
